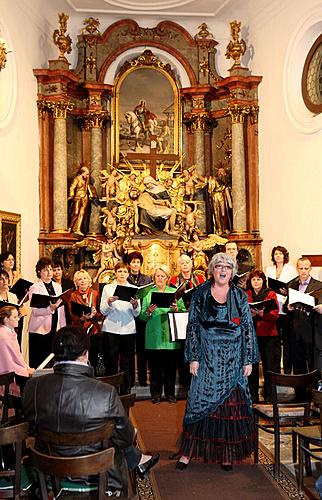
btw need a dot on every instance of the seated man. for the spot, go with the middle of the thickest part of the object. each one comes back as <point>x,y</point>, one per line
<point>71,400</point>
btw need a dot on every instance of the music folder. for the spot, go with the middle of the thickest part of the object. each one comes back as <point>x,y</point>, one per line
<point>178,325</point>
<point>21,287</point>
<point>163,299</point>
<point>268,305</point>
<point>277,286</point>
<point>41,301</point>
<point>79,309</point>
<point>4,303</point>
<point>125,293</point>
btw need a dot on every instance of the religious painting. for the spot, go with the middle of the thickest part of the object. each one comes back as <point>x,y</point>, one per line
<point>146,112</point>
<point>10,235</point>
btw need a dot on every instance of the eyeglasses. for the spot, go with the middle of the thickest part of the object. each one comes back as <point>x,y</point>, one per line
<point>223,268</point>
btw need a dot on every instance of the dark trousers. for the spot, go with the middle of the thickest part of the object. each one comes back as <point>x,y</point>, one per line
<point>283,329</point>
<point>141,357</point>
<point>270,352</point>
<point>162,364</point>
<point>39,348</point>
<point>119,354</point>
<point>183,368</point>
<point>302,346</point>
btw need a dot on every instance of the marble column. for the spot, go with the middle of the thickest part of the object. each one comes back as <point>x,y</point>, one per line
<point>199,124</point>
<point>60,223</point>
<point>96,122</point>
<point>238,169</point>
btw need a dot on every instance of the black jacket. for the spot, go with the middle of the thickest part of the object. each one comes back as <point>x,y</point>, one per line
<point>71,400</point>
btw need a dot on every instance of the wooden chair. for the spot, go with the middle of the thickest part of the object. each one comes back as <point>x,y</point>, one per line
<point>11,480</point>
<point>307,437</point>
<point>270,418</point>
<point>9,401</point>
<point>128,401</point>
<point>76,466</point>
<point>114,380</point>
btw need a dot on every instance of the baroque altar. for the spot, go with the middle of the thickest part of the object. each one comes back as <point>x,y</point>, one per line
<point>143,145</point>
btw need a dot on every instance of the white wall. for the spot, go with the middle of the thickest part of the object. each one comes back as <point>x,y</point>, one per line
<point>28,30</point>
<point>290,136</point>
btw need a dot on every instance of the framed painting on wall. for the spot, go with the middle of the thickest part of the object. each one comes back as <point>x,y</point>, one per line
<point>10,235</point>
<point>145,102</point>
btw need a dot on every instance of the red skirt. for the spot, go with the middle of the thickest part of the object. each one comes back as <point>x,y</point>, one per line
<point>225,436</point>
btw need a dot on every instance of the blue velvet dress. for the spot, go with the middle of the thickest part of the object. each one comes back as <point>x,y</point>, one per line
<point>217,424</point>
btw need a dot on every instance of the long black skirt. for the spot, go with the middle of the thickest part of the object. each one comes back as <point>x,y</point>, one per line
<point>225,436</point>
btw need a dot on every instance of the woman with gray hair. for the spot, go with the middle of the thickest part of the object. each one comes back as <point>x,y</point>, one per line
<point>220,348</point>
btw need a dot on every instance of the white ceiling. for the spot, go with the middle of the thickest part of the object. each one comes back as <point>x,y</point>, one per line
<point>176,8</point>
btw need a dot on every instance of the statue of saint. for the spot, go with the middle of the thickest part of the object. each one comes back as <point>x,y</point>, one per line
<point>220,202</point>
<point>79,194</point>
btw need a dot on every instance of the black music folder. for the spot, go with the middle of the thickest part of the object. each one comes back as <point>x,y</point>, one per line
<point>20,288</point>
<point>268,305</point>
<point>125,293</point>
<point>41,301</point>
<point>278,286</point>
<point>79,309</point>
<point>163,299</point>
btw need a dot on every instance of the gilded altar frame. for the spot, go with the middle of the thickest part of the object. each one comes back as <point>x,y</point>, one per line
<point>10,235</point>
<point>159,83</point>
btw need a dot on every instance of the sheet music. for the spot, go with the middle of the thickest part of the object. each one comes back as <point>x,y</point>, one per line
<point>304,298</point>
<point>178,325</point>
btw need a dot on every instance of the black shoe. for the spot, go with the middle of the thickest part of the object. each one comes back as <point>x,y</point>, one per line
<point>171,399</point>
<point>226,467</point>
<point>181,465</point>
<point>144,469</point>
<point>156,400</point>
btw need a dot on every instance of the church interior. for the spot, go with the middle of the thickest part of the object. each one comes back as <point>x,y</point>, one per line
<point>165,128</point>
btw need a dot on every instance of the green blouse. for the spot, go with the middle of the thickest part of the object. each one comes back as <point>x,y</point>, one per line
<point>157,335</point>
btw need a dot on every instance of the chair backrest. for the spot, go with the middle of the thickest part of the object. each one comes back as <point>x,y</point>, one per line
<point>128,401</point>
<point>13,435</point>
<point>102,434</point>
<point>85,465</point>
<point>114,380</point>
<point>76,466</point>
<point>317,400</point>
<point>5,380</point>
<point>306,382</point>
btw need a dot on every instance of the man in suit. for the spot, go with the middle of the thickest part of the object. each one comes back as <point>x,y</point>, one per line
<point>302,319</point>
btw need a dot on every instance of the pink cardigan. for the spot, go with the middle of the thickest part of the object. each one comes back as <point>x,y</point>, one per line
<point>11,359</point>
<point>40,319</point>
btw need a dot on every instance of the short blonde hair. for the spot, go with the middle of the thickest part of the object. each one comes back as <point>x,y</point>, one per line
<point>163,268</point>
<point>185,257</point>
<point>78,274</point>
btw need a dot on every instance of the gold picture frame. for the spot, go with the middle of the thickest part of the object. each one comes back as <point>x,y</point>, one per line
<point>10,235</point>
<point>145,80</point>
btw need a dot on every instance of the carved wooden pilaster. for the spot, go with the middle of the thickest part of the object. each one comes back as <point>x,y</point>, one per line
<point>252,165</point>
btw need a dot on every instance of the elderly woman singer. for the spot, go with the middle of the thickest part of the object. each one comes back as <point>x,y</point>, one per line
<point>221,348</point>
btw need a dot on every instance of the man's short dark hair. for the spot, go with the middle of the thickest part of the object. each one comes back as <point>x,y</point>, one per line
<point>69,343</point>
<point>135,255</point>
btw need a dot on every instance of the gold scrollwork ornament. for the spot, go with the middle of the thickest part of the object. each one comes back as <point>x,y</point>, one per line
<point>236,48</point>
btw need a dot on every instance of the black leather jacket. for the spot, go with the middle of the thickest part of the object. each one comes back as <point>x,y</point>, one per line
<point>71,400</point>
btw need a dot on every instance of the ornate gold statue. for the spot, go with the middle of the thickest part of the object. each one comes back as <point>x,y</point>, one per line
<point>79,194</point>
<point>236,48</point>
<point>63,42</point>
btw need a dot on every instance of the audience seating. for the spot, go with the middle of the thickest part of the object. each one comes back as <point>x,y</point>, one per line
<point>114,380</point>
<point>307,437</point>
<point>14,481</point>
<point>128,401</point>
<point>270,418</point>
<point>9,401</point>
<point>76,466</point>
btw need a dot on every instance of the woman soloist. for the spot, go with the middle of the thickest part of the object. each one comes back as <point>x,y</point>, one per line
<point>221,348</point>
